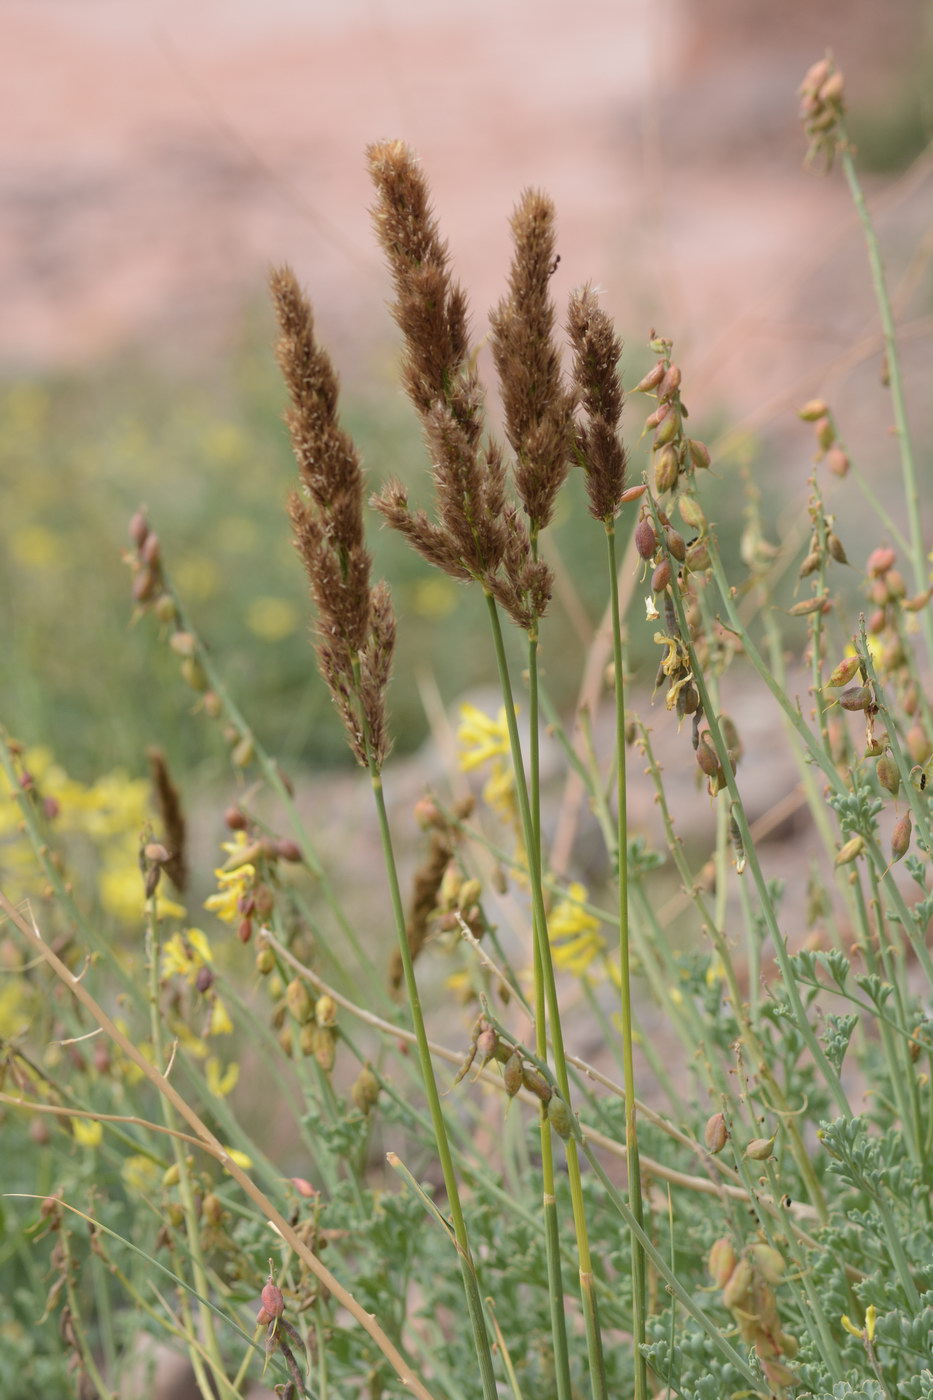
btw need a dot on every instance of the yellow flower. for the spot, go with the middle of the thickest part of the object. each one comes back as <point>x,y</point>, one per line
<point>184,955</point>
<point>87,1131</point>
<point>480,737</point>
<point>220,1023</point>
<point>241,1159</point>
<point>235,881</point>
<point>140,1174</point>
<point>573,933</point>
<point>220,1081</point>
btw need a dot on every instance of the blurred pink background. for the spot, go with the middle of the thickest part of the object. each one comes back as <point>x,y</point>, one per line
<point>158,156</point>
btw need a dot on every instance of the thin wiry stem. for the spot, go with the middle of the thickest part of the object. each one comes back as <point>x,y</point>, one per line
<point>898,401</point>
<point>639,1272</point>
<point>539,923</point>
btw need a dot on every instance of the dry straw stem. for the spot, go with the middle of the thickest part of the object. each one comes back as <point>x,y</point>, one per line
<point>220,1153</point>
<point>477,533</point>
<point>356,626</point>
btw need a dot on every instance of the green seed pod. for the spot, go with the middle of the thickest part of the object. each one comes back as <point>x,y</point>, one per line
<point>324,1047</point>
<point>182,643</point>
<point>768,1262</point>
<point>306,1039</point>
<point>721,1261</point>
<point>560,1117</point>
<point>512,1074</point>
<point>164,608</point>
<point>850,851</point>
<point>669,430</point>
<point>242,755</point>
<point>835,547</point>
<point>365,1091</point>
<point>298,1000</point>
<point>666,470</point>
<point>691,513</point>
<point>887,774</point>
<point>698,453</point>
<point>265,961</point>
<point>812,410</point>
<point>212,1208</point>
<point>171,1175</point>
<point>810,565</point>
<point>697,557</point>
<point>843,673</point>
<point>738,1285</point>
<point>193,674</point>
<point>759,1149</point>
<point>325,1011</point>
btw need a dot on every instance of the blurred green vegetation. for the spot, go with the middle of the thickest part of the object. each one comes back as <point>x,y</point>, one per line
<point>209,457</point>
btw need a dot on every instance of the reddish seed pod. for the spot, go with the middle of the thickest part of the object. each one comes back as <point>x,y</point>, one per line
<point>204,980</point>
<point>273,1300</point>
<point>918,745</point>
<point>837,460</point>
<point>897,588</point>
<point>706,755</point>
<point>288,850</point>
<point>661,577</point>
<point>657,417</point>
<point>877,621</point>
<point>139,529</point>
<point>880,561</point>
<point>825,433</point>
<point>651,380</point>
<point>669,384</point>
<point>716,1134</point>
<point>675,543</point>
<point>144,585</point>
<point>835,546</point>
<point>813,410</point>
<point>888,776</point>
<point>646,541</point>
<point>151,551</point>
<point>235,820</point>
<point>900,838</point>
<point>857,697</point>
<point>512,1074</point>
<point>698,557</point>
<point>486,1044</point>
<point>844,672</point>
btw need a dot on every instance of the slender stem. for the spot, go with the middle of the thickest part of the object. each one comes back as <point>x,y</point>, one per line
<point>898,401</point>
<point>549,1190</point>
<point>639,1270</point>
<point>539,923</point>
<point>471,1287</point>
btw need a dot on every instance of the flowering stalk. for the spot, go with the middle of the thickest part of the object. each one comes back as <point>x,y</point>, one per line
<point>478,534</point>
<point>356,635</point>
<point>596,355</point>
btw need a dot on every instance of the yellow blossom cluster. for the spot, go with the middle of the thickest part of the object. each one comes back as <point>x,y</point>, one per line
<point>484,740</point>
<point>574,933</point>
